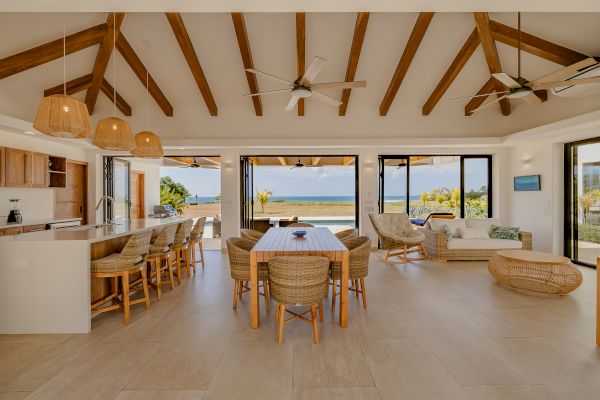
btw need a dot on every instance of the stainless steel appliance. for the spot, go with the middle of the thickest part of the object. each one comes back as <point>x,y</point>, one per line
<point>65,224</point>
<point>14,215</point>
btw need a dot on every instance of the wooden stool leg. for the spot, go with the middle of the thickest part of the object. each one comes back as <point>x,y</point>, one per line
<point>356,287</point>
<point>235,293</point>
<point>363,292</point>
<point>178,262</point>
<point>158,267</point>
<point>193,254</point>
<point>277,305</point>
<point>333,294</point>
<point>115,282</point>
<point>321,311</point>
<point>169,263</point>
<point>313,313</point>
<point>266,291</point>
<point>186,253</point>
<point>240,289</point>
<point>201,252</point>
<point>126,306</point>
<point>281,323</point>
<point>145,287</point>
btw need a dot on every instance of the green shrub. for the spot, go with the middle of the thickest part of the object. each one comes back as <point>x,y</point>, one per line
<point>588,233</point>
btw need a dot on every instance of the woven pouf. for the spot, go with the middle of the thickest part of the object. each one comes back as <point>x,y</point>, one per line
<point>535,271</point>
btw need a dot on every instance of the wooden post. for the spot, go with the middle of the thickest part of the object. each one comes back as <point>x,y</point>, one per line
<point>598,302</point>
<point>344,289</point>
<point>254,290</point>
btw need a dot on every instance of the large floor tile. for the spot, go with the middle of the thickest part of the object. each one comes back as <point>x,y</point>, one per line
<point>342,393</point>
<point>161,395</point>
<point>507,392</point>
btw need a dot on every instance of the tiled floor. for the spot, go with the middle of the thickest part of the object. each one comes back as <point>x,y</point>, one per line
<point>431,331</point>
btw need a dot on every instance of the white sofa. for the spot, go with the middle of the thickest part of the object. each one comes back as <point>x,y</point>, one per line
<point>475,246</point>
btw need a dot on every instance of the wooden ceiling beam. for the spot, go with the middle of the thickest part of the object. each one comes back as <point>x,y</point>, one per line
<point>475,102</point>
<point>300,53</point>
<point>187,48</point>
<point>488,44</point>
<point>452,72</point>
<point>360,29</point>
<point>51,51</point>
<point>73,86</point>
<point>282,161</point>
<point>347,160</point>
<point>535,45</point>
<point>113,26</point>
<point>212,160</point>
<point>140,71</point>
<point>121,103</point>
<point>315,160</point>
<point>241,33</point>
<point>414,41</point>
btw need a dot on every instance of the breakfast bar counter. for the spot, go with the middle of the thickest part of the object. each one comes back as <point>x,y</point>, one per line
<point>47,274</point>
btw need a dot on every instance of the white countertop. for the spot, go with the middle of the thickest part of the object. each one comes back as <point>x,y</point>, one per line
<point>92,234</point>
<point>35,221</point>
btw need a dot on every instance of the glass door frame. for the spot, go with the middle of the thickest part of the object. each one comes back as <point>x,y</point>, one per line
<point>463,157</point>
<point>571,215</point>
<point>246,192</point>
<point>109,185</point>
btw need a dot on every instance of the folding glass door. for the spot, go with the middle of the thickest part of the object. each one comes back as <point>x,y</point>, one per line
<point>116,185</point>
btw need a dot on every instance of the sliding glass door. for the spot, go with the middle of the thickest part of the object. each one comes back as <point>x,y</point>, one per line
<point>582,200</point>
<point>423,184</point>
<point>116,185</point>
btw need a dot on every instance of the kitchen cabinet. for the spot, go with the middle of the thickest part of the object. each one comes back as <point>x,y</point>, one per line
<point>17,165</point>
<point>13,231</point>
<point>34,228</point>
<point>2,168</point>
<point>39,170</point>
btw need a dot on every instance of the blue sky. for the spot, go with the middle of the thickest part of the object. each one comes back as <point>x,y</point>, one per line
<point>334,181</point>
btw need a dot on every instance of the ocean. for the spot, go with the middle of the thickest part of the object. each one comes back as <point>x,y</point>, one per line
<point>305,199</point>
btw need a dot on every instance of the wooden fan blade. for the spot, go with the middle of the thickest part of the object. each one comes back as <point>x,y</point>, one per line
<point>573,82</point>
<point>478,95</point>
<point>325,99</point>
<point>292,104</point>
<point>490,103</point>
<point>267,92</point>
<point>272,77</point>
<point>313,69</point>
<point>564,72</point>
<point>339,85</point>
<point>531,98</point>
<point>507,80</point>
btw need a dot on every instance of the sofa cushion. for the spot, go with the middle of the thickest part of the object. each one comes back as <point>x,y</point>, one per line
<point>473,233</point>
<point>436,224</point>
<point>483,244</point>
<point>482,223</point>
<point>397,224</point>
<point>504,232</point>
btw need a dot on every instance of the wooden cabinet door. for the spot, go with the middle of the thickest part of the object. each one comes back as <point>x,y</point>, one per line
<point>71,200</point>
<point>39,170</point>
<point>13,231</point>
<point>136,191</point>
<point>17,168</point>
<point>34,228</point>
<point>2,166</point>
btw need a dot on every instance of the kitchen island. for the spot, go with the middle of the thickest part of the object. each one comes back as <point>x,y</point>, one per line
<point>45,281</point>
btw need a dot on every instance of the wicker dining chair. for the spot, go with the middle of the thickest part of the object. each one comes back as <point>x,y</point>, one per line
<point>251,234</point>
<point>347,234</point>
<point>300,224</point>
<point>239,263</point>
<point>131,260</point>
<point>196,239</point>
<point>159,259</point>
<point>360,248</point>
<point>298,281</point>
<point>181,248</point>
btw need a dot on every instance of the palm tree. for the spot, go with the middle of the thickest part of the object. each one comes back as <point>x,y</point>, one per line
<point>263,198</point>
<point>586,201</point>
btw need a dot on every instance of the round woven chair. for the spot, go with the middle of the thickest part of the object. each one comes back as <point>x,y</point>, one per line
<point>239,263</point>
<point>196,239</point>
<point>299,281</point>
<point>360,249</point>
<point>131,260</point>
<point>181,248</point>
<point>397,236</point>
<point>251,234</point>
<point>300,224</point>
<point>159,259</point>
<point>347,234</point>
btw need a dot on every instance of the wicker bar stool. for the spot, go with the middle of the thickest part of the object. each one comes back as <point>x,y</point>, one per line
<point>196,239</point>
<point>347,234</point>
<point>300,224</point>
<point>160,261</point>
<point>360,248</point>
<point>251,234</point>
<point>299,281</point>
<point>130,260</point>
<point>181,248</point>
<point>239,263</point>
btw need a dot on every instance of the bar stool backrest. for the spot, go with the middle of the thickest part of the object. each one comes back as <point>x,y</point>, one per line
<point>299,280</point>
<point>198,229</point>
<point>166,236</point>
<point>138,246</point>
<point>183,232</point>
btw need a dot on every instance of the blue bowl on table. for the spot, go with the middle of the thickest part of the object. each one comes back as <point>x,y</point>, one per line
<point>299,234</point>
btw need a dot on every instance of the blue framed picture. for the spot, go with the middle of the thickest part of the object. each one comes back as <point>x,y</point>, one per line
<point>527,183</point>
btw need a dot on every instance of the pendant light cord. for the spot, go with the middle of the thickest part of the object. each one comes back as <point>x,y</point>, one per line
<point>519,44</point>
<point>64,57</point>
<point>114,66</point>
<point>146,119</point>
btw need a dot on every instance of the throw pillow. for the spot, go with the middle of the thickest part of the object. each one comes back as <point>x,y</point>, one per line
<point>505,232</point>
<point>473,233</point>
<point>446,230</point>
<point>453,224</point>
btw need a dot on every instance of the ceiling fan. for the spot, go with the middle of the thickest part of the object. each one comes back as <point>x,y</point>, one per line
<point>190,162</point>
<point>304,87</point>
<point>521,88</point>
<point>300,164</point>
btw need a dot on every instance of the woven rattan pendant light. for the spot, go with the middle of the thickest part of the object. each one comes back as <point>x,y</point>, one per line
<point>113,133</point>
<point>147,144</point>
<point>61,115</point>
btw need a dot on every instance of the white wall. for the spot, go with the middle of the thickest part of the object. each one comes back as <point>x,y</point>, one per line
<point>36,203</point>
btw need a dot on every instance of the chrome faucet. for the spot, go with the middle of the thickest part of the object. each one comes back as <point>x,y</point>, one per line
<point>100,202</point>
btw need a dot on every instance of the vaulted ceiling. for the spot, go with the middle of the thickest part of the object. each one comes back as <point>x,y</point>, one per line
<point>196,71</point>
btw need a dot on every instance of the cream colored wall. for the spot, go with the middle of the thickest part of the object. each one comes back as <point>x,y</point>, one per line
<point>36,203</point>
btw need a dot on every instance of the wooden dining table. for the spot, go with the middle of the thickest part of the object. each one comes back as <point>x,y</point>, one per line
<point>319,241</point>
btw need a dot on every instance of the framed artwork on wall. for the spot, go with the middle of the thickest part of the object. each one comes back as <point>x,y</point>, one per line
<point>527,183</point>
